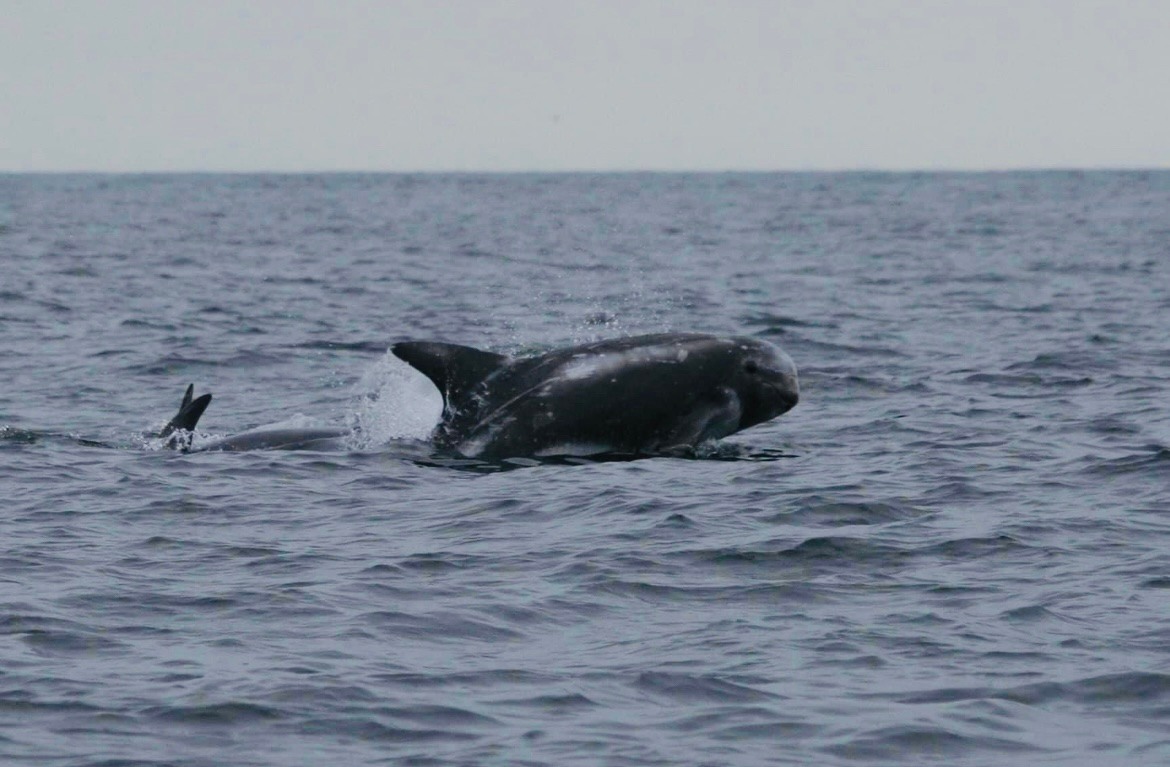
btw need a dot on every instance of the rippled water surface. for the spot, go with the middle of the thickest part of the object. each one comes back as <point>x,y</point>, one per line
<point>955,549</point>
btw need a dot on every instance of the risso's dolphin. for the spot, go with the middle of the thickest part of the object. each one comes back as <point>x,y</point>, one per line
<point>654,394</point>
<point>645,395</point>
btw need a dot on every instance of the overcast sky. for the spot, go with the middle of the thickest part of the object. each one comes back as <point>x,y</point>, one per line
<point>291,85</point>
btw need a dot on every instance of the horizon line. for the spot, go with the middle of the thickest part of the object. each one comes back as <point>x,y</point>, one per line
<point>591,171</point>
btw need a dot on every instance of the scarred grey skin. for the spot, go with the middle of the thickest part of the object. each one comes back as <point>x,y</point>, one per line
<point>653,394</point>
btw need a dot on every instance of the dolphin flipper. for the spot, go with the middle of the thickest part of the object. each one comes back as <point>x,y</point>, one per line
<point>715,417</point>
<point>190,410</point>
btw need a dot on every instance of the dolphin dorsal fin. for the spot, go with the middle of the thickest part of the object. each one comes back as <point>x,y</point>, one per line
<point>452,368</point>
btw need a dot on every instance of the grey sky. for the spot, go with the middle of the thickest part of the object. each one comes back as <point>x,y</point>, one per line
<point>558,85</point>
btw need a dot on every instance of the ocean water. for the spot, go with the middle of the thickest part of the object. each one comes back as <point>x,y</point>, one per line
<point>956,549</point>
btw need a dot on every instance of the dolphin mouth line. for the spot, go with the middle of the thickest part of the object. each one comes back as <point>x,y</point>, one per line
<point>785,394</point>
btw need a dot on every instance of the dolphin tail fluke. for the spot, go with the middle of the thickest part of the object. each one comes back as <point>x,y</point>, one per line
<point>190,410</point>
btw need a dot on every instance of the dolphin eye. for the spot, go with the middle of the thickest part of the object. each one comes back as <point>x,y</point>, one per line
<point>751,367</point>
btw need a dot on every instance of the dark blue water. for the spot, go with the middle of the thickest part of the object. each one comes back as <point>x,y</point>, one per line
<point>955,549</point>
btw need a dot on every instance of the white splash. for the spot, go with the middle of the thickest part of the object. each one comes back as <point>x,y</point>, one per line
<point>394,401</point>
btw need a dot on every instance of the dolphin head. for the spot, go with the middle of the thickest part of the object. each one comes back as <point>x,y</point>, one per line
<point>765,379</point>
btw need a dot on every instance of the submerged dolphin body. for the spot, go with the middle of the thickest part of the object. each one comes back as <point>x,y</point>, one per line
<point>645,395</point>
<point>179,433</point>
<point>653,394</point>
